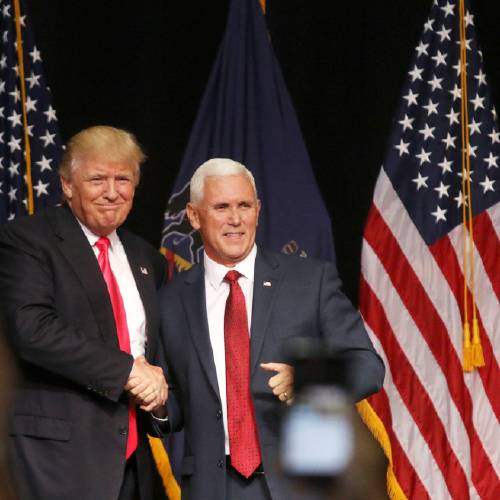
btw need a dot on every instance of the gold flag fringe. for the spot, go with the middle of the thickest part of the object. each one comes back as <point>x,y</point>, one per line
<point>164,469</point>
<point>377,428</point>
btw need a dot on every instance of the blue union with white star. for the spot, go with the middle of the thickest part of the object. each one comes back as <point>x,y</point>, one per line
<point>45,143</point>
<point>423,159</point>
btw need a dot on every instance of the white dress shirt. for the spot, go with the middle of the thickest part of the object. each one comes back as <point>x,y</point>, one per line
<point>134,309</point>
<point>216,293</point>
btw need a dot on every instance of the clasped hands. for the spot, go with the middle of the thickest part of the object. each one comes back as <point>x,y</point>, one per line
<point>146,384</point>
<point>282,382</point>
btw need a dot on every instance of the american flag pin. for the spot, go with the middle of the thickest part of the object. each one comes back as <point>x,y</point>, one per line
<point>144,270</point>
<point>267,283</point>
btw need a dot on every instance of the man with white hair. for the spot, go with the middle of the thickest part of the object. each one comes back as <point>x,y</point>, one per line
<point>226,326</point>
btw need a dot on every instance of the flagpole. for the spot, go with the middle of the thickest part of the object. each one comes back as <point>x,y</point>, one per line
<point>27,149</point>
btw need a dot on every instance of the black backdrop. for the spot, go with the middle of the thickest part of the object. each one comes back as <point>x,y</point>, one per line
<point>143,66</point>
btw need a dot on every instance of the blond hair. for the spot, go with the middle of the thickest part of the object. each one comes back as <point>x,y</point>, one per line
<point>101,143</point>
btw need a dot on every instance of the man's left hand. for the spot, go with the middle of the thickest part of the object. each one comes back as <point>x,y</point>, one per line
<point>282,383</point>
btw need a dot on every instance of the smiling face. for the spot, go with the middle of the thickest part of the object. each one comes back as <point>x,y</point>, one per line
<point>226,217</point>
<point>100,194</point>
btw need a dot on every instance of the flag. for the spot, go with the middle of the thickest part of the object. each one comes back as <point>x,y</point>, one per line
<point>427,276</point>
<point>246,114</point>
<point>30,146</point>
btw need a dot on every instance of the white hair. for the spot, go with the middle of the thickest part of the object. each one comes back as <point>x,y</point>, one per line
<point>216,167</point>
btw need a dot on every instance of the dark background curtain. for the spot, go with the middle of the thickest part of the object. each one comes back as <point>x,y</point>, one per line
<point>143,66</point>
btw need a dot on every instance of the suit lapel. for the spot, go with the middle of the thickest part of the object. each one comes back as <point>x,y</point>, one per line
<point>145,282</point>
<point>75,247</point>
<point>266,283</point>
<point>193,295</point>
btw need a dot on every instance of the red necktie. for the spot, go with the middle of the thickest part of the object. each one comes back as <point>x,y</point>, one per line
<point>242,428</point>
<point>121,329</point>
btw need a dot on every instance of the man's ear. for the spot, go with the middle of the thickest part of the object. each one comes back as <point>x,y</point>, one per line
<point>67,188</point>
<point>259,206</point>
<point>192,214</point>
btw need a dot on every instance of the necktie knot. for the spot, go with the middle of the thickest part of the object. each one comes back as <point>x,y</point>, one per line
<point>232,276</point>
<point>102,244</point>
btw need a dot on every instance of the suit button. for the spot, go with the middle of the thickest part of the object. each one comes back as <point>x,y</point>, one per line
<point>219,414</point>
<point>220,464</point>
<point>122,431</point>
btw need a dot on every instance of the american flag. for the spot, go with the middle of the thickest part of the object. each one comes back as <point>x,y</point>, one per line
<point>41,125</point>
<point>438,423</point>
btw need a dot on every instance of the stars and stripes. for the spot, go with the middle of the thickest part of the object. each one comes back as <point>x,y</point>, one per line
<point>42,128</point>
<point>442,423</point>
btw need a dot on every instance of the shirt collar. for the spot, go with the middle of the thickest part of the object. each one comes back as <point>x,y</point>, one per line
<point>215,272</point>
<point>92,237</point>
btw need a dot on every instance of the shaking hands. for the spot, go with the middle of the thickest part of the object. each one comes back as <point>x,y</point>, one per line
<point>146,383</point>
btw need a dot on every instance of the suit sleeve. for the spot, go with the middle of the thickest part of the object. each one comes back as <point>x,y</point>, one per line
<point>174,421</point>
<point>170,339</point>
<point>38,332</point>
<point>345,334</point>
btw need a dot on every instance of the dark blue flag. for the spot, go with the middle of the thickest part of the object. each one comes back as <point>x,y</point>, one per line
<point>30,146</point>
<point>246,114</point>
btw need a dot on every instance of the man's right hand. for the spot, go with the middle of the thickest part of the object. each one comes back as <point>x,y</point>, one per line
<point>147,384</point>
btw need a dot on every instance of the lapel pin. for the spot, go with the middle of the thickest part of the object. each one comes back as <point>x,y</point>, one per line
<point>144,270</point>
<point>267,283</point>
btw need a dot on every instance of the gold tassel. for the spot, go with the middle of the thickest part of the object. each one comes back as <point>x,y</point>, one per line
<point>468,366</point>
<point>477,348</point>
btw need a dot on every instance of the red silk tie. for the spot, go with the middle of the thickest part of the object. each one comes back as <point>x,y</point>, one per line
<point>121,329</point>
<point>242,428</point>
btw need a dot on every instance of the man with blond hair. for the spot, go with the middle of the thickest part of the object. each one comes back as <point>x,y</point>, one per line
<point>79,295</point>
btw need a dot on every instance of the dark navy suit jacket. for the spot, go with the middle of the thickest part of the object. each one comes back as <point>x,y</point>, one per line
<point>303,299</point>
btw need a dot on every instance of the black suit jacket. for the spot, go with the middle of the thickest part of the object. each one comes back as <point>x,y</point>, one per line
<point>293,297</point>
<point>69,423</point>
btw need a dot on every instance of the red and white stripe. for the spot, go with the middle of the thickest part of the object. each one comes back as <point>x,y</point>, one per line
<point>443,423</point>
